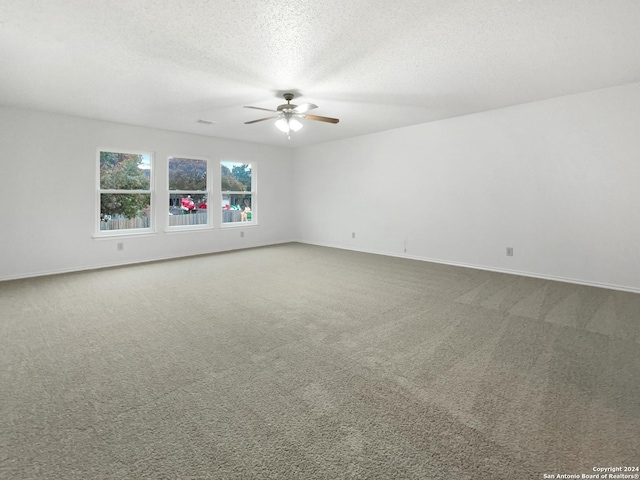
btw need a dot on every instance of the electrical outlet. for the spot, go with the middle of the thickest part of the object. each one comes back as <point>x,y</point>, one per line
<point>120,246</point>
<point>353,234</point>
<point>241,234</point>
<point>509,251</point>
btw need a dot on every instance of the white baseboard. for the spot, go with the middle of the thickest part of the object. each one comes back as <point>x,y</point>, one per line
<point>543,276</point>
<point>44,273</point>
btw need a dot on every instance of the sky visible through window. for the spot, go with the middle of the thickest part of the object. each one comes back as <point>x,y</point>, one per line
<point>145,162</point>
<point>230,165</point>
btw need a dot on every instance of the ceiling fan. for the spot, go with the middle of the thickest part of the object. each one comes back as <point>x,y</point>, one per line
<point>288,114</point>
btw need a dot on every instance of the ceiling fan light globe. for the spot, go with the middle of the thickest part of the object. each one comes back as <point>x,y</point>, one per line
<point>283,125</point>
<point>295,124</point>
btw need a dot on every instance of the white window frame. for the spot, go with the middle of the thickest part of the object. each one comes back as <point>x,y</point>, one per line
<point>208,192</point>
<point>151,192</point>
<point>253,192</point>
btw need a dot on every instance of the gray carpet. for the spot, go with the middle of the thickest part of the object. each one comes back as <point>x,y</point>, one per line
<point>303,362</point>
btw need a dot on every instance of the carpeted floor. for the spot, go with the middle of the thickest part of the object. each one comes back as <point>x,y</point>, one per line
<point>302,362</point>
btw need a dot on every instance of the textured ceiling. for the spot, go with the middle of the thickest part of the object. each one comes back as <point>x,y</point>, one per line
<point>374,64</point>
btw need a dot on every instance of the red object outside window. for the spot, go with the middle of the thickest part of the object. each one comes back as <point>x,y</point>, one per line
<point>188,204</point>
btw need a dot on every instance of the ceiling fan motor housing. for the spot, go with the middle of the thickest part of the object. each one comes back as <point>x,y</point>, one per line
<point>287,106</point>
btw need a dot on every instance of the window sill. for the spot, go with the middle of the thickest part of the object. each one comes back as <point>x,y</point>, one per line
<point>239,225</point>
<point>124,234</point>
<point>172,230</point>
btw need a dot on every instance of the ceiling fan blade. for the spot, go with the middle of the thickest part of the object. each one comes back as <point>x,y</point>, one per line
<point>321,119</point>
<point>261,119</point>
<point>260,108</point>
<point>305,107</point>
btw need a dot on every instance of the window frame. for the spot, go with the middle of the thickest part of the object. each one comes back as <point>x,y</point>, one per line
<point>208,192</point>
<point>253,192</point>
<point>151,192</point>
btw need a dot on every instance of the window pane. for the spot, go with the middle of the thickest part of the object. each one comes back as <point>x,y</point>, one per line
<point>187,209</point>
<point>236,177</point>
<point>187,174</point>
<point>236,186</point>
<point>236,207</point>
<point>125,171</point>
<point>120,211</point>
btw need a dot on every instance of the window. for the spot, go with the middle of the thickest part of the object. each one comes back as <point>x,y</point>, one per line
<point>189,192</point>
<point>124,191</point>
<point>238,193</point>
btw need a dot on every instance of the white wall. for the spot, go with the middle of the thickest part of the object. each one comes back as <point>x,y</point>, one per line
<point>557,180</point>
<point>47,191</point>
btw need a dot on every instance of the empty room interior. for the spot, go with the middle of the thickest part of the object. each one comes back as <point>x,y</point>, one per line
<point>320,240</point>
